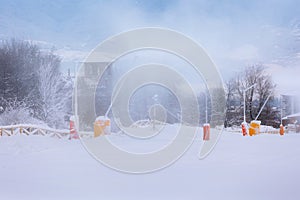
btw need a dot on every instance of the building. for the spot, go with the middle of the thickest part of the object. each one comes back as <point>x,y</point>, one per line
<point>292,122</point>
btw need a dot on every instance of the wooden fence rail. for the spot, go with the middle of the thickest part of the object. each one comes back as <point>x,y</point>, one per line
<point>32,130</point>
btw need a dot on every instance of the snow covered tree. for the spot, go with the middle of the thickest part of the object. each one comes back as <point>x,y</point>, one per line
<point>31,77</point>
<point>17,112</point>
<point>55,91</point>
<point>19,62</point>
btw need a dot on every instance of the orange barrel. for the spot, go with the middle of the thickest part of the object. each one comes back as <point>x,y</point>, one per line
<point>73,132</point>
<point>206,131</point>
<point>254,127</point>
<point>244,129</point>
<point>281,130</point>
<point>101,126</point>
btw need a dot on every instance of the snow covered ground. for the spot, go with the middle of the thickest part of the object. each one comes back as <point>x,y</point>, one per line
<point>260,167</point>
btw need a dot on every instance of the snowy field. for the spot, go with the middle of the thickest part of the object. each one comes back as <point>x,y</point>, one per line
<point>260,167</point>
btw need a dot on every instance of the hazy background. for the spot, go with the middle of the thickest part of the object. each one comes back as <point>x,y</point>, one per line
<point>234,33</point>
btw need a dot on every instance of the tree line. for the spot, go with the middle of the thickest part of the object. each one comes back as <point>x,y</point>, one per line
<point>33,90</point>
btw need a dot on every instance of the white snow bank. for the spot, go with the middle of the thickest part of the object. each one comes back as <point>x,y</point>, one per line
<point>261,167</point>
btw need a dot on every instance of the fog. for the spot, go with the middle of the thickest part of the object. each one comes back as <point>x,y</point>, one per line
<point>235,34</point>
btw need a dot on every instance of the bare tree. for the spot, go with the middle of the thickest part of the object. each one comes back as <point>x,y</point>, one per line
<point>255,97</point>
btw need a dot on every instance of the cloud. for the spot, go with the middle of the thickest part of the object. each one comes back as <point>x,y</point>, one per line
<point>233,34</point>
<point>245,52</point>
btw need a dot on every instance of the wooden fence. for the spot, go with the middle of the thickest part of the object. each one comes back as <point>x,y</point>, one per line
<point>32,130</point>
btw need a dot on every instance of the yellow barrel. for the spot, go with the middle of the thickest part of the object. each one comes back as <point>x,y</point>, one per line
<point>254,127</point>
<point>101,126</point>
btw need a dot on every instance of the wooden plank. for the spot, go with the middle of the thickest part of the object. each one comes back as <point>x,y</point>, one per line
<point>32,132</point>
<point>25,131</point>
<point>6,132</point>
<point>42,132</point>
<point>58,135</point>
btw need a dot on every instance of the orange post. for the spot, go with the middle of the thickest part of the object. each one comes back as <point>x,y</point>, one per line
<point>281,130</point>
<point>206,131</point>
<point>73,132</point>
<point>244,129</point>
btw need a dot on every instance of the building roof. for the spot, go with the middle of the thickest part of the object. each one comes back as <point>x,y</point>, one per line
<point>292,116</point>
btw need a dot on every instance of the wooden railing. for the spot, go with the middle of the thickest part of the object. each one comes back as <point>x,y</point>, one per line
<point>28,129</point>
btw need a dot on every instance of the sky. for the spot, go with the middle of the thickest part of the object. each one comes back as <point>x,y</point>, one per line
<point>235,34</point>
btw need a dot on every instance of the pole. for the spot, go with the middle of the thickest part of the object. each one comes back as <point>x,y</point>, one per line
<point>206,126</point>
<point>206,108</point>
<point>244,94</point>
<point>280,109</point>
<point>76,115</point>
<point>281,128</point>
<point>244,124</point>
<point>263,107</point>
<point>107,111</point>
<point>154,116</point>
<point>112,101</point>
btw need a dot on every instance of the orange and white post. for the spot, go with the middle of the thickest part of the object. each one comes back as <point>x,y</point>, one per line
<point>73,132</point>
<point>206,126</point>
<point>206,131</point>
<point>244,128</point>
<point>281,129</point>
